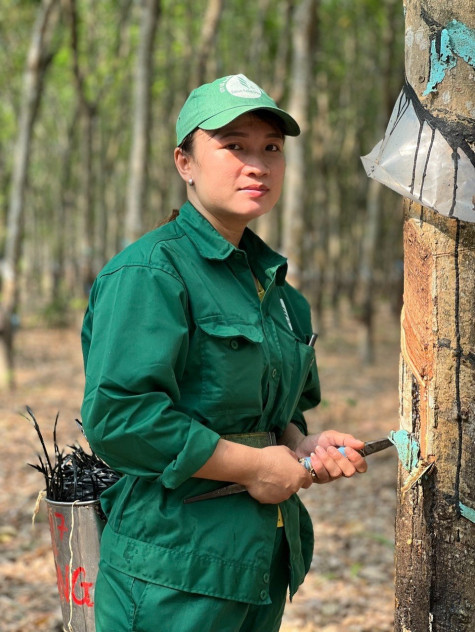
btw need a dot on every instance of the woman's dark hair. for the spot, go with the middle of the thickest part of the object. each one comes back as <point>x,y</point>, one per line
<point>186,145</point>
<point>173,215</point>
<point>269,117</point>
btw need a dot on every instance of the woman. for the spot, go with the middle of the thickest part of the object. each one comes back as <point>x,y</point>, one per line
<point>196,354</point>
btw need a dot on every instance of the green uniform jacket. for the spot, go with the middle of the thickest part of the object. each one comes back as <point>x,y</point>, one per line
<point>179,350</point>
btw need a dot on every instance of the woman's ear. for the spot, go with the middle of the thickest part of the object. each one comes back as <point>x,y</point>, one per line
<point>182,162</point>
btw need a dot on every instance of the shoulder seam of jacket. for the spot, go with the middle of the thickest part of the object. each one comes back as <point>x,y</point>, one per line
<point>163,240</point>
<point>149,266</point>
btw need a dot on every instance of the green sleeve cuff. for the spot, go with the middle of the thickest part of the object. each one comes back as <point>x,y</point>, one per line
<point>199,447</point>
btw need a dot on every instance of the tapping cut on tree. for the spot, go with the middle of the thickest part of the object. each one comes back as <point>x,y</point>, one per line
<point>435,531</point>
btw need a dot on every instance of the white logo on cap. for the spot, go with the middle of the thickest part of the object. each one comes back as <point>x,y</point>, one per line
<point>241,86</point>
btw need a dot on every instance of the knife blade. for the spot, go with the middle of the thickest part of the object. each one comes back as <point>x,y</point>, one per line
<point>371,447</point>
<point>227,490</point>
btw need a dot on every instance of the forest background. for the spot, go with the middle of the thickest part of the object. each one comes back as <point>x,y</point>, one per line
<point>111,78</point>
<point>337,65</point>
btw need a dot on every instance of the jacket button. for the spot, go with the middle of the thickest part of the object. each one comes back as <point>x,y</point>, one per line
<point>234,344</point>
<point>274,373</point>
<point>266,578</point>
<point>263,595</point>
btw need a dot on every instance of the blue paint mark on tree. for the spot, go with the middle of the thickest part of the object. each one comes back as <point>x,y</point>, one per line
<point>454,41</point>
<point>407,448</point>
<point>467,512</point>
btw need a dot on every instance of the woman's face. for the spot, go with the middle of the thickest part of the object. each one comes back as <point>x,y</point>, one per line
<point>238,171</point>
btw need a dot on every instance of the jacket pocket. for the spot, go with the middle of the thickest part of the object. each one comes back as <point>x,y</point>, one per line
<point>116,499</point>
<point>232,365</point>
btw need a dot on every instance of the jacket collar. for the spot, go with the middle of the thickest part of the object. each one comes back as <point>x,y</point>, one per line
<point>265,262</point>
<point>211,245</point>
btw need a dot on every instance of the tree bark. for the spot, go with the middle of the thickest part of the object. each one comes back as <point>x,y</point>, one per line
<point>39,57</point>
<point>374,208</point>
<point>294,202</point>
<point>435,543</point>
<point>88,114</point>
<point>141,122</point>
<point>278,81</point>
<point>366,271</point>
<point>209,31</point>
<point>62,217</point>
<point>435,530</point>
<point>274,83</point>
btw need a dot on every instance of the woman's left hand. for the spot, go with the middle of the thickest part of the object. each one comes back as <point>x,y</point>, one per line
<point>328,463</point>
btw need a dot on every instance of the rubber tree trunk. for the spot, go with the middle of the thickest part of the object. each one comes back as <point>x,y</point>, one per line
<point>435,530</point>
<point>137,187</point>
<point>296,185</point>
<point>39,57</point>
<point>374,208</point>
<point>209,32</point>
<point>366,276</point>
<point>268,225</point>
<point>88,118</point>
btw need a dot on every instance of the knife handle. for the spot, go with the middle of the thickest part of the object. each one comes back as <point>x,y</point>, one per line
<point>343,451</point>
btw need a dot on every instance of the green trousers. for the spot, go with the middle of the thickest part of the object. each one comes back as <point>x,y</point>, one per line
<point>126,604</point>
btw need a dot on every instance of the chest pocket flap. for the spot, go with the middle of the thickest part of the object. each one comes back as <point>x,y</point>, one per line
<point>232,365</point>
<point>231,330</point>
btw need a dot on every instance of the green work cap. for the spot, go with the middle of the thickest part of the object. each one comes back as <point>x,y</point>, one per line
<point>216,104</point>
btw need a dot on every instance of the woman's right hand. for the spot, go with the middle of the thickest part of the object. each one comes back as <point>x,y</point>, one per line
<point>277,475</point>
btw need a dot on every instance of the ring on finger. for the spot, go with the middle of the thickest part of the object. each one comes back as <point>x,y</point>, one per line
<point>307,463</point>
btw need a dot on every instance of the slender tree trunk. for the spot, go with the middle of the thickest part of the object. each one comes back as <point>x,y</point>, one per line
<point>366,277</point>
<point>435,530</point>
<point>209,31</point>
<point>335,243</point>
<point>295,198</point>
<point>321,144</point>
<point>374,208</point>
<point>88,198</point>
<point>87,110</point>
<point>62,217</point>
<point>258,44</point>
<point>199,63</point>
<point>281,65</point>
<point>39,57</point>
<point>137,192</point>
<point>269,225</point>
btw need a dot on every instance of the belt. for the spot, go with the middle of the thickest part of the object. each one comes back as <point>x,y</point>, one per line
<point>252,439</point>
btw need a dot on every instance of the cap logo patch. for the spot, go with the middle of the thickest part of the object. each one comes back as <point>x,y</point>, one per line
<point>241,86</point>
